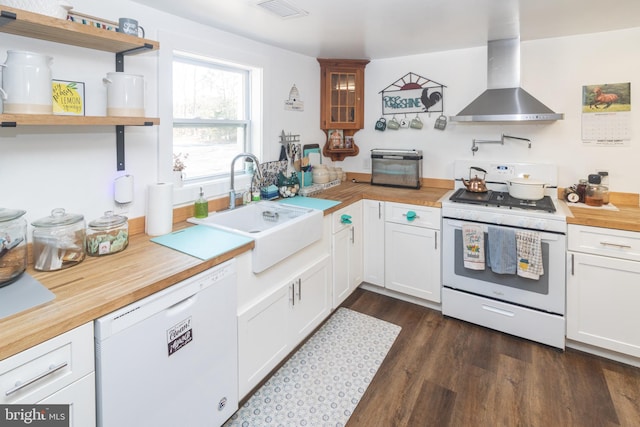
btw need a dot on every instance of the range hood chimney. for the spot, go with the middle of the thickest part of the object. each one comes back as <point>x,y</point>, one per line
<point>504,100</point>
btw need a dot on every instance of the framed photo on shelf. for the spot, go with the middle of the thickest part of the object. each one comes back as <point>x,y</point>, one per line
<point>348,142</point>
<point>68,98</point>
<point>336,138</point>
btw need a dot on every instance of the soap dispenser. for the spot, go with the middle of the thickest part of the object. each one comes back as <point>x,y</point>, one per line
<point>201,206</point>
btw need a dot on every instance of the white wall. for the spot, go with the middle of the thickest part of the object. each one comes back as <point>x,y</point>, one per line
<point>42,168</point>
<point>553,70</point>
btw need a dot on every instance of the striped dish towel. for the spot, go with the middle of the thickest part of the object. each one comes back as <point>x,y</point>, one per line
<point>501,256</point>
<point>473,246</point>
<point>529,250</point>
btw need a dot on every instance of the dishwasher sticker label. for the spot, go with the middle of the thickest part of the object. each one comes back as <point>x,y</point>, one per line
<point>179,336</point>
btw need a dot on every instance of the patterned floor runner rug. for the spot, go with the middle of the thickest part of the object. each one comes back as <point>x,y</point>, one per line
<point>321,384</point>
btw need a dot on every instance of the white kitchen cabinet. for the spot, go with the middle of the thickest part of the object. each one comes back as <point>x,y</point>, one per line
<point>346,251</point>
<point>58,371</point>
<point>263,340</point>
<point>311,302</point>
<point>603,288</point>
<point>275,325</point>
<point>373,242</point>
<point>412,250</point>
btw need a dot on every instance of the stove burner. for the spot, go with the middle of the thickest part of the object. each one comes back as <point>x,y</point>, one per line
<point>502,199</point>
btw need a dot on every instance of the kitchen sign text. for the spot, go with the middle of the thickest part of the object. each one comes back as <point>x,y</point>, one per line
<point>179,336</point>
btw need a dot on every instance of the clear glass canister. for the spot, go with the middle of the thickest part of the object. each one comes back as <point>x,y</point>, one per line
<point>58,241</point>
<point>107,235</point>
<point>594,195</point>
<point>13,245</point>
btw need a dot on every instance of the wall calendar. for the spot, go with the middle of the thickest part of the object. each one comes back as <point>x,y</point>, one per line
<point>606,114</point>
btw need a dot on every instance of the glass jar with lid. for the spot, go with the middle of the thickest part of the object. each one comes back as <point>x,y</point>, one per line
<point>581,189</point>
<point>594,195</point>
<point>13,245</point>
<point>107,235</point>
<point>58,241</point>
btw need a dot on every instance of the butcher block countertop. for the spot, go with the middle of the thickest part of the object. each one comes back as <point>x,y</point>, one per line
<point>627,217</point>
<point>100,285</point>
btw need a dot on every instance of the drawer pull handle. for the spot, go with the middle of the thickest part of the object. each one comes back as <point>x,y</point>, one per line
<point>20,386</point>
<point>498,311</point>
<point>617,245</point>
<point>345,219</point>
<point>411,215</point>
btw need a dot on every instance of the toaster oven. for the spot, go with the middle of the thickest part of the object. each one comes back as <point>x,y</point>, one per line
<point>396,168</point>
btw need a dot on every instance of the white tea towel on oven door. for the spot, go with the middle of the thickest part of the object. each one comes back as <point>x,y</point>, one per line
<point>501,257</point>
<point>529,250</point>
<point>473,246</point>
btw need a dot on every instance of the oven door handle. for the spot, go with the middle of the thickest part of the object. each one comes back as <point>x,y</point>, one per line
<point>498,310</point>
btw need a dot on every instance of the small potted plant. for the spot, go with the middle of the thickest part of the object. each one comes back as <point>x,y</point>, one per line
<point>178,168</point>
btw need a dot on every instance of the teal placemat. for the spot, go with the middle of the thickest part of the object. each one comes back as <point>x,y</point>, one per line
<point>310,202</point>
<point>24,293</point>
<point>202,241</point>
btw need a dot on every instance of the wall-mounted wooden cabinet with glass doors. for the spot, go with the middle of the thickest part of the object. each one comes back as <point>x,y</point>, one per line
<point>341,104</point>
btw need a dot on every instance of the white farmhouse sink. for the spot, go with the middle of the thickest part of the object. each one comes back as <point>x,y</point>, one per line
<point>278,230</point>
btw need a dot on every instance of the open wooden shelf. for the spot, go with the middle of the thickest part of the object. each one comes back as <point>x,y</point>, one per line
<point>28,24</point>
<point>13,120</point>
<point>36,26</point>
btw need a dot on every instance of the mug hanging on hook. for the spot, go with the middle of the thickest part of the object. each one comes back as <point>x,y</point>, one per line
<point>404,122</point>
<point>393,123</point>
<point>416,123</point>
<point>441,122</point>
<point>381,124</point>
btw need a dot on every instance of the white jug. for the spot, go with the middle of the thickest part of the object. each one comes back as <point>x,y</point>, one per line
<point>26,83</point>
<point>125,94</point>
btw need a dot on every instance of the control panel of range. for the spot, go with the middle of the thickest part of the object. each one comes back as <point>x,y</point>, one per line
<point>530,220</point>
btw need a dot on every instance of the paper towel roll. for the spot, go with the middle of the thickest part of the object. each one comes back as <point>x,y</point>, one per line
<point>159,219</point>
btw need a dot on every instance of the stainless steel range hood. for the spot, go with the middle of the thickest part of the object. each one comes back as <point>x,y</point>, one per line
<point>504,100</point>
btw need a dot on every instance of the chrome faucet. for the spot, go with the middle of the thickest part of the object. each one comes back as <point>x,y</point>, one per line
<point>232,191</point>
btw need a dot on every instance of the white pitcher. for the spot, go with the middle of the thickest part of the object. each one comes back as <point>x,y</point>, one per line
<point>125,94</point>
<point>26,83</point>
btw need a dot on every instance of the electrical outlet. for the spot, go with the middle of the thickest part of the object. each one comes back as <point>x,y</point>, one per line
<point>366,163</point>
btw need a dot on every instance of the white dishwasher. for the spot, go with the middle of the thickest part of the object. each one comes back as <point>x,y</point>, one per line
<point>170,359</point>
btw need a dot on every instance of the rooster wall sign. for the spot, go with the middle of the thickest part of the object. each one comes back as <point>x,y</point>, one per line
<point>412,94</point>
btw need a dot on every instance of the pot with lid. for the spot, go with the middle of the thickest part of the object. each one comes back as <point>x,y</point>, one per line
<point>476,184</point>
<point>526,188</point>
<point>58,241</point>
<point>107,235</point>
<point>13,245</point>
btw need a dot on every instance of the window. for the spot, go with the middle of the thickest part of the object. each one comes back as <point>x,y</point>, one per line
<point>211,115</point>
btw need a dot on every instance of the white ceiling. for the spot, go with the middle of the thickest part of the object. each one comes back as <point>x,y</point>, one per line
<point>374,29</point>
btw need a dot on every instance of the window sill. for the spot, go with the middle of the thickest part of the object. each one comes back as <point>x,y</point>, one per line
<point>213,189</point>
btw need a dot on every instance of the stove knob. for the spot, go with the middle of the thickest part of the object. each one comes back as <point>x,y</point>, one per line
<point>540,224</point>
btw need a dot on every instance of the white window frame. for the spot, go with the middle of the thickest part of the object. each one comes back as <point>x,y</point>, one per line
<point>220,53</point>
<point>245,123</point>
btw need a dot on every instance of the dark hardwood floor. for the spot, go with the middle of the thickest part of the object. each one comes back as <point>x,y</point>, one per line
<point>446,372</point>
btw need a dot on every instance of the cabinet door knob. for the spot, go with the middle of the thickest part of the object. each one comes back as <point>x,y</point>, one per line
<point>345,219</point>
<point>411,215</point>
